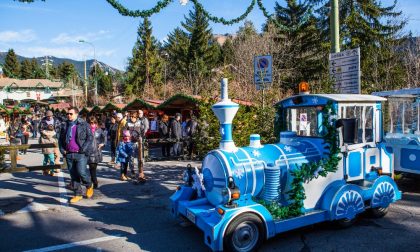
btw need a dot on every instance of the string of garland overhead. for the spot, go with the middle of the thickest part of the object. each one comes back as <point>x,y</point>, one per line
<point>139,13</point>
<point>164,3</point>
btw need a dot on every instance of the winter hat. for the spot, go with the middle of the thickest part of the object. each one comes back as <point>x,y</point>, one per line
<point>126,133</point>
<point>119,115</point>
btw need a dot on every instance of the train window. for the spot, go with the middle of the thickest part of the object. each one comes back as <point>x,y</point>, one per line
<point>368,124</point>
<point>305,121</point>
<point>364,116</point>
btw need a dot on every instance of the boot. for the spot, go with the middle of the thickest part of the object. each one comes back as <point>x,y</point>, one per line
<point>76,199</point>
<point>89,192</point>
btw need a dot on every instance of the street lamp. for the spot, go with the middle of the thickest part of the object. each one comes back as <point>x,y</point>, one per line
<point>166,55</point>
<point>94,59</point>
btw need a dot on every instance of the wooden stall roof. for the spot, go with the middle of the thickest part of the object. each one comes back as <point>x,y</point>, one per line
<point>111,106</point>
<point>84,110</point>
<point>180,101</point>
<point>154,103</point>
<point>16,110</point>
<point>4,110</point>
<point>96,109</point>
<point>138,104</point>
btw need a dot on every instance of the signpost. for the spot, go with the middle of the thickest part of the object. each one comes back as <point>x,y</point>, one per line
<point>345,71</point>
<point>263,72</point>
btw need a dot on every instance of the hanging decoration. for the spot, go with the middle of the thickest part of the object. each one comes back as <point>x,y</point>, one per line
<point>309,171</point>
<point>164,3</point>
<point>139,13</point>
<point>221,19</point>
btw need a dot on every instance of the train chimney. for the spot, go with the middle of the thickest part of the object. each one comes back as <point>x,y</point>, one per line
<point>225,110</point>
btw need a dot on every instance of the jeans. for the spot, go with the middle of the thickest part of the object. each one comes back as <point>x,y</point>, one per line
<point>25,139</point>
<point>48,158</point>
<point>77,165</point>
<point>177,148</point>
<point>34,133</point>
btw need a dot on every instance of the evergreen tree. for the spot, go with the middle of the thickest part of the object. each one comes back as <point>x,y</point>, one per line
<point>26,70</point>
<point>227,52</point>
<point>304,58</point>
<point>104,81</point>
<point>145,67</point>
<point>38,73</point>
<point>372,27</point>
<point>66,71</point>
<point>177,48</point>
<point>11,66</point>
<point>246,31</point>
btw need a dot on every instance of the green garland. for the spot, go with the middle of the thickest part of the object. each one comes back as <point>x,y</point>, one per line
<point>310,171</point>
<point>164,3</point>
<point>139,13</point>
<point>222,20</point>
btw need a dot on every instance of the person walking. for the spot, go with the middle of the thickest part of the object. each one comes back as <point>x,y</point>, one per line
<point>75,140</point>
<point>14,133</point>
<point>164,135</point>
<point>48,137</point>
<point>35,125</point>
<point>95,157</point>
<point>112,135</point>
<point>121,124</point>
<point>49,119</point>
<point>133,125</point>
<point>176,134</point>
<point>191,128</point>
<point>124,152</point>
<point>26,129</point>
<point>144,128</point>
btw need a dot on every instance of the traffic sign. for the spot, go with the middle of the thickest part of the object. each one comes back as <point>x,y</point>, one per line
<point>345,71</point>
<point>263,70</point>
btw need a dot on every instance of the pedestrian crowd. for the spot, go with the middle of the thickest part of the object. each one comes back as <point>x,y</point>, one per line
<point>81,140</point>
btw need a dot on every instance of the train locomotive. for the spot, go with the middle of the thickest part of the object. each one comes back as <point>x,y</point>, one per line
<point>229,198</point>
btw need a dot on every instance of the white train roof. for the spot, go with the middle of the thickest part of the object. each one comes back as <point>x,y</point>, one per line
<point>345,97</point>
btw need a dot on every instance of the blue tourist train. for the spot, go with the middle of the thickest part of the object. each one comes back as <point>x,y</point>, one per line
<point>330,165</point>
<point>403,128</point>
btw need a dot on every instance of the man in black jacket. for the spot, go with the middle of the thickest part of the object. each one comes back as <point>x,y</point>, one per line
<point>176,134</point>
<point>75,140</point>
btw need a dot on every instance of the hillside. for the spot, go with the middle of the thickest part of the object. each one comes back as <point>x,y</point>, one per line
<point>79,65</point>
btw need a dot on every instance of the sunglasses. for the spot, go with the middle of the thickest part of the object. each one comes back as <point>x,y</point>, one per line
<point>69,113</point>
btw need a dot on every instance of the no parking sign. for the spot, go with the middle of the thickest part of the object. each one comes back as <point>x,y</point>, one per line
<point>263,70</point>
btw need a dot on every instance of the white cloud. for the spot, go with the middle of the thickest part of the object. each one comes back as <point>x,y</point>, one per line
<point>17,36</point>
<point>64,38</point>
<point>76,53</point>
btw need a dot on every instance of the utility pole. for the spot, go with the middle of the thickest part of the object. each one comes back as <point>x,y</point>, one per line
<point>46,63</point>
<point>335,26</point>
<point>86,85</point>
<point>94,62</point>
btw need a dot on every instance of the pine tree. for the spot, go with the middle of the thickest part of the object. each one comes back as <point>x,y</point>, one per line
<point>11,66</point>
<point>372,27</point>
<point>26,70</point>
<point>306,50</point>
<point>145,66</point>
<point>203,52</point>
<point>227,52</point>
<point>66,71</point>
<point>177,48</point>
<point>38,73</point>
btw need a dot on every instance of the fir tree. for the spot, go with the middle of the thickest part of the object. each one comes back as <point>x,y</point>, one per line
<point>305,54</point>
<point>227,52</point>
<point>11,66</point>
<point>177,48</point>
<point>26,70</point>
<point>203,52</point>
<point>66,71</point>
<point>145,67</point>
<point>38,73</point>
<point>372,27</point>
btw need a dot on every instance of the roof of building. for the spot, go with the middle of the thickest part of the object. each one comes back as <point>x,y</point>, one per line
<point>30,83</point>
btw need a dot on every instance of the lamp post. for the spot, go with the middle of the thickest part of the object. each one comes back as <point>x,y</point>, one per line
<point>335,27</point>
<point>94,60</point>
<point>166,55</point>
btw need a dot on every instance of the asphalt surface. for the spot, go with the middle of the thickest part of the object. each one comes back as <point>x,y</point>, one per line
<point>123,216</point>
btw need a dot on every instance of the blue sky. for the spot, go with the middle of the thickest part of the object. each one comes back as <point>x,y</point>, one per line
<point>53,27</point>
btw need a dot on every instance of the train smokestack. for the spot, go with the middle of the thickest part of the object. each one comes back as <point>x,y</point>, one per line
<point>225,110</point>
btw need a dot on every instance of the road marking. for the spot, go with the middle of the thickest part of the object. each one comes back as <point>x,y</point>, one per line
<point>32,207</point>
<point>75,244</point>
<point>62,189</point>
<point>1,213</point>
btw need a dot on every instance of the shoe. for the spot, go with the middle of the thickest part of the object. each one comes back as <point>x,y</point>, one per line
<point>70,187</point>
<point>89,192</point>
<point>76,199</point>
<point>95,185</point>
<point>123,177</point>
<point>18,158</point>
<point>51,173</point>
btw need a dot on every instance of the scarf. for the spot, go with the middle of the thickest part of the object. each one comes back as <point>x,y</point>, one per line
<point>93,128</point>
<point>71,124</point>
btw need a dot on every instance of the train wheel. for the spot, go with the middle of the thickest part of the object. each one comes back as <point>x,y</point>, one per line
<point>378,212</point>
<point>244,233</point>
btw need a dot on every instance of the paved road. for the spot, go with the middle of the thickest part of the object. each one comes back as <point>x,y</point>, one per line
<point>122,216</point>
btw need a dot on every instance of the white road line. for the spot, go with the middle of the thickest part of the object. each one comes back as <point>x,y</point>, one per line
<point>62,189</point>
<point>75,244</point>
<point>1,213</point>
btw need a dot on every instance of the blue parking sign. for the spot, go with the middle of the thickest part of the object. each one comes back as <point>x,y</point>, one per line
<point>263,70</point>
